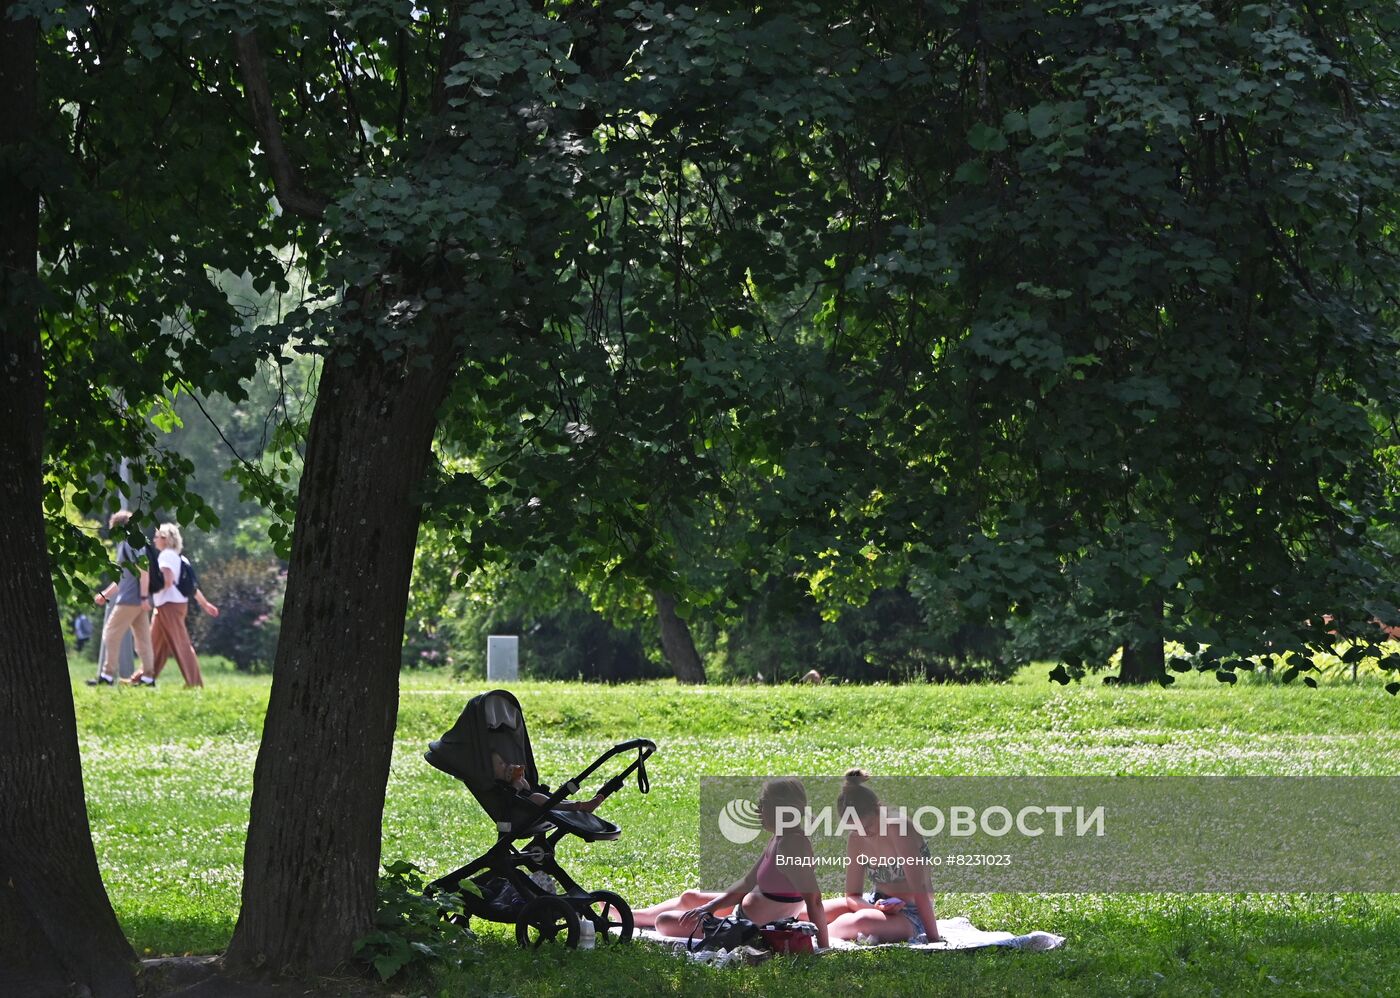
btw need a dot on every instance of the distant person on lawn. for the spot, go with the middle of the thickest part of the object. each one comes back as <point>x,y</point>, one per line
<point>169,634</point>
<point>129,612</point>
<point>82,631</point>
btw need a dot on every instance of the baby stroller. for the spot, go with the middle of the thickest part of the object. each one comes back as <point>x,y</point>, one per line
<point>492,725</point>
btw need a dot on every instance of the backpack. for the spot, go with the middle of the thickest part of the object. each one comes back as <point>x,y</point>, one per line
<point>157,577</point>
<point>188,582</point>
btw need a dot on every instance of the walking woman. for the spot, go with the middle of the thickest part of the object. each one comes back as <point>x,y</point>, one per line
<point>169,636</point>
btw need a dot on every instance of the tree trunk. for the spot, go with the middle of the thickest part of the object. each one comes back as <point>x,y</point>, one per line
<point>312,857</point>
<point>1145,661</point>
<point>1142,663</point>
<point>58,934</point>
<point>676,641</point>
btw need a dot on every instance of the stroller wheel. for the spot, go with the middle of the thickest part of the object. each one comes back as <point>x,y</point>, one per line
<point>544,919</point>
<point>608,911</point>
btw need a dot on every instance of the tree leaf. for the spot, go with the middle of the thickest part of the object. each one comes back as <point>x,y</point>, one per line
<point>985,138</point>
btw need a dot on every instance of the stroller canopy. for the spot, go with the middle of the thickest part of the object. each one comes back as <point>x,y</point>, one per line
<point>491,723</point>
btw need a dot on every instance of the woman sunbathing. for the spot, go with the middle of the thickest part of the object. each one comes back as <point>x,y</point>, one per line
<point>780,885</point>
<point>900,907</point>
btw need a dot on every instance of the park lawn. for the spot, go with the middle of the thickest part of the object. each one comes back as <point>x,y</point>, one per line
<point>169,773</point>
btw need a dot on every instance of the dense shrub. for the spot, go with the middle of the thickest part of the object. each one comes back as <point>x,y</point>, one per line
<point>562,637</point>
<point>578,642</point>
<point>565,640</point>
<point>248,593</point>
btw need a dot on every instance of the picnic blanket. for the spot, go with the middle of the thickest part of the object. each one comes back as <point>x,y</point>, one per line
<point>957,934</point>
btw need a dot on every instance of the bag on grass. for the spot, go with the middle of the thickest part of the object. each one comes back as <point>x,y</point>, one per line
<point>790,935</point>
<point>722,934</point>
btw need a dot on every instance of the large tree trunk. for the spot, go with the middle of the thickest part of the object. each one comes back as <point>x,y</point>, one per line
<point>676,641</point>
<point>1142,663</point>
<point>312,857</point>
<point>58,934</point>
<point>1145,661</point>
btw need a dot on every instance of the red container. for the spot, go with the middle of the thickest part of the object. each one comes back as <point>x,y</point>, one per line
<point>790,937</point>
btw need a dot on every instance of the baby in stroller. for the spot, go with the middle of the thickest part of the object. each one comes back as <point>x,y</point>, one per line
<point>489,750</point>
<point>514,774</point>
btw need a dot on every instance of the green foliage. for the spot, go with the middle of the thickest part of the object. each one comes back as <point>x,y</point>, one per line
<point>562,635</point>
<point>414,927</point>
<point>132,310</point>
<point>248,592</point>
<point>243,454</point>
<point>1147,324</point>
<point>893,636</point>
<point>1082,310</point>
<point>569,640</point>
<point>900,631</point>
<point>1124,348</point>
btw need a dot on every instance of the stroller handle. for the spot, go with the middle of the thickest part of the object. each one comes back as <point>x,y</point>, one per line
<point>644,747</point>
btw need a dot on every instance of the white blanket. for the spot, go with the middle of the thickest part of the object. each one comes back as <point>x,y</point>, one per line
<point>957,934</point>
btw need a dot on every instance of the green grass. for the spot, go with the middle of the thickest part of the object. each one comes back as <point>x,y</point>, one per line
<point>169,773</point>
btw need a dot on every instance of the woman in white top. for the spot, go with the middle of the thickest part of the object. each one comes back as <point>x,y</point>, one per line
<point>169,635</point>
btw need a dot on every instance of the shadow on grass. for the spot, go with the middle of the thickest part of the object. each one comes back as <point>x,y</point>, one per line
<point>1161,945</point>
<point>1189,952</point>
<point>163,934</point>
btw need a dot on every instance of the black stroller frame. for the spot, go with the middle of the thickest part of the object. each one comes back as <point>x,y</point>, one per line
<point>493,724</point>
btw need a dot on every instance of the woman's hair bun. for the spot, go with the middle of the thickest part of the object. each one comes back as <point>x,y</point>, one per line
<point>856,776</point>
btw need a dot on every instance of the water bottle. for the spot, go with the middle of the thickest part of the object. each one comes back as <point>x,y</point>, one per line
<point>587,934</point>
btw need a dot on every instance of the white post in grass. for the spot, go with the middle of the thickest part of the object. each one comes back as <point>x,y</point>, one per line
<point>502,658</point>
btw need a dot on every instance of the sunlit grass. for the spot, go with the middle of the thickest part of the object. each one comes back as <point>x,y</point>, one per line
<point>169,775</point>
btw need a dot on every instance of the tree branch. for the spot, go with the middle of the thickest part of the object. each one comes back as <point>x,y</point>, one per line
<point>294,198</point>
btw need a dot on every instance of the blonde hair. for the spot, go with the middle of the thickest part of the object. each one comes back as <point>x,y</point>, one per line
<point>856,795</point>
<point>118,518</point>
<point>171,533</point>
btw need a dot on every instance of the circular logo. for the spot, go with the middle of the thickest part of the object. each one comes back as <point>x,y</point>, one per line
<point>739,821</point>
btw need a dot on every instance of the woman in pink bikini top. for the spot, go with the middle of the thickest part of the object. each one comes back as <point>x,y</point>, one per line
<point>772,889</point>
